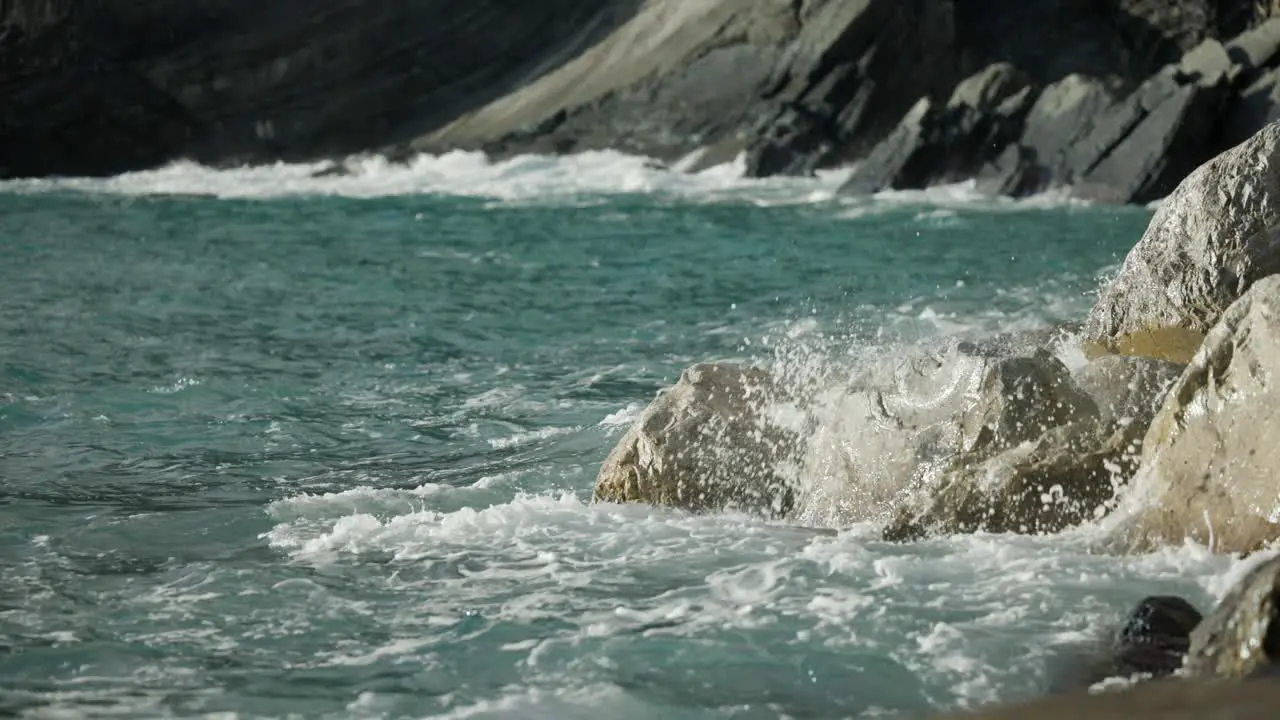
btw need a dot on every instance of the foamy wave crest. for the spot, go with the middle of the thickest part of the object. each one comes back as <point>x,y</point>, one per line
<point>464,174</point>
<point>528,178</point>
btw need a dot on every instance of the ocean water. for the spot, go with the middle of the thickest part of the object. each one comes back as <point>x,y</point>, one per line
<point>282,446</point>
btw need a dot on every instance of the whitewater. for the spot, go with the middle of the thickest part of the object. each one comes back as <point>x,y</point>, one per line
<point>285,443</point>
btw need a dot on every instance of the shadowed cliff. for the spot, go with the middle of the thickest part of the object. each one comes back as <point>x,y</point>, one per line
<point>1022,94</point>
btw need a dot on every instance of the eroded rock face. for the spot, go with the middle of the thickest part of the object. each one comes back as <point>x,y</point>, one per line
<point>1210,458</point>
<point>1061,476</point>
<point>707,443</point>
<point>1241,638</point>
<point>1206,245</point>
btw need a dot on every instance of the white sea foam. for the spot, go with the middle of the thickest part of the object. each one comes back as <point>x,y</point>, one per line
<point>527,178</point>
<point>966,620</point>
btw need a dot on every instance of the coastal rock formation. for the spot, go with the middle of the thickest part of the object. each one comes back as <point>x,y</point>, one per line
<point>1241,638</point>
<point>1022,94</point>
<point>1206,245</point>
<point>706,443</point>
<point>1059,477</point>
<point>113,85</point>
<point>1208,469</point>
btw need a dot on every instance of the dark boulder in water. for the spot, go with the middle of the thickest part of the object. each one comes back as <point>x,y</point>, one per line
<point>1153,640</point>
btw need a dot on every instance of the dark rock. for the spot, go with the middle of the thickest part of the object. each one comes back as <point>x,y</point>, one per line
<point>1256,106</point>
<point>886,166</point>
<point>113,85</point>
<point>110,85</point>
<point>1153,640</point>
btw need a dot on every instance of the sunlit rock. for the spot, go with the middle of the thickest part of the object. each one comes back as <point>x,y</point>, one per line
<point>1241,637</point>
<point>1210,240</point>
<point>1211,456</point>
<point>707,443</point>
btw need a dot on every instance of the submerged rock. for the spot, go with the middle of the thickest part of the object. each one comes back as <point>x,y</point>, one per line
<point>1241,638</point>
<point>705,444</point>
<point>1209,459</point>
<point>1206,245</point>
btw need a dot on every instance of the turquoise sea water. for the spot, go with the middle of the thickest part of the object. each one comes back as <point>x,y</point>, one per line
<point>326,448</point>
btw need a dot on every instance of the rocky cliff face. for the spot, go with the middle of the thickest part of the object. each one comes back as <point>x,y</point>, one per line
<point>102,86</point>
<point>1023,94</point>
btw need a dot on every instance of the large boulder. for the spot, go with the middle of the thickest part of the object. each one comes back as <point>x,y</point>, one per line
<point>705,444</point>
<point>1209,241</point>
<point>1208,470</point>
<point>1241,638</point>
<point>889,440</point>
<point>1064,475</point>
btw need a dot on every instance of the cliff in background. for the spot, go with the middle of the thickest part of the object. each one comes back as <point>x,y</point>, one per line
<point>1118,98</point>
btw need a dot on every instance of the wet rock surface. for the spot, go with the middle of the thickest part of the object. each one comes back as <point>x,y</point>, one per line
<point>1209,458</point>
<point>1241,638</point>
<point>1060,476</point>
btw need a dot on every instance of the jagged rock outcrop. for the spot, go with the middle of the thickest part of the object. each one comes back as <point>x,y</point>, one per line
<point>707,443</point>
<point>1209,459</point>
<point>1206,245</point>
<point>945,143</point>
<point>1058,477</point>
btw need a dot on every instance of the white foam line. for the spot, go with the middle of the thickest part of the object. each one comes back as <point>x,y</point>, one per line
<point>523,178</point>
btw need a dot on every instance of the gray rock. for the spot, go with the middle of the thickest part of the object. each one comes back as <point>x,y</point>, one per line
<point>888,164</point>
<point>937,144</point>
<point>1160,150</point>
<point>705,444</point>
<point>1241,638</point>
<point>1208,460</point>
<point>1255,49</point>
<point>1206,245</point>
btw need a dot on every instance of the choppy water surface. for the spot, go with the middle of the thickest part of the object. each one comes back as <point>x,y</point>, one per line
<point>325,448</point>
